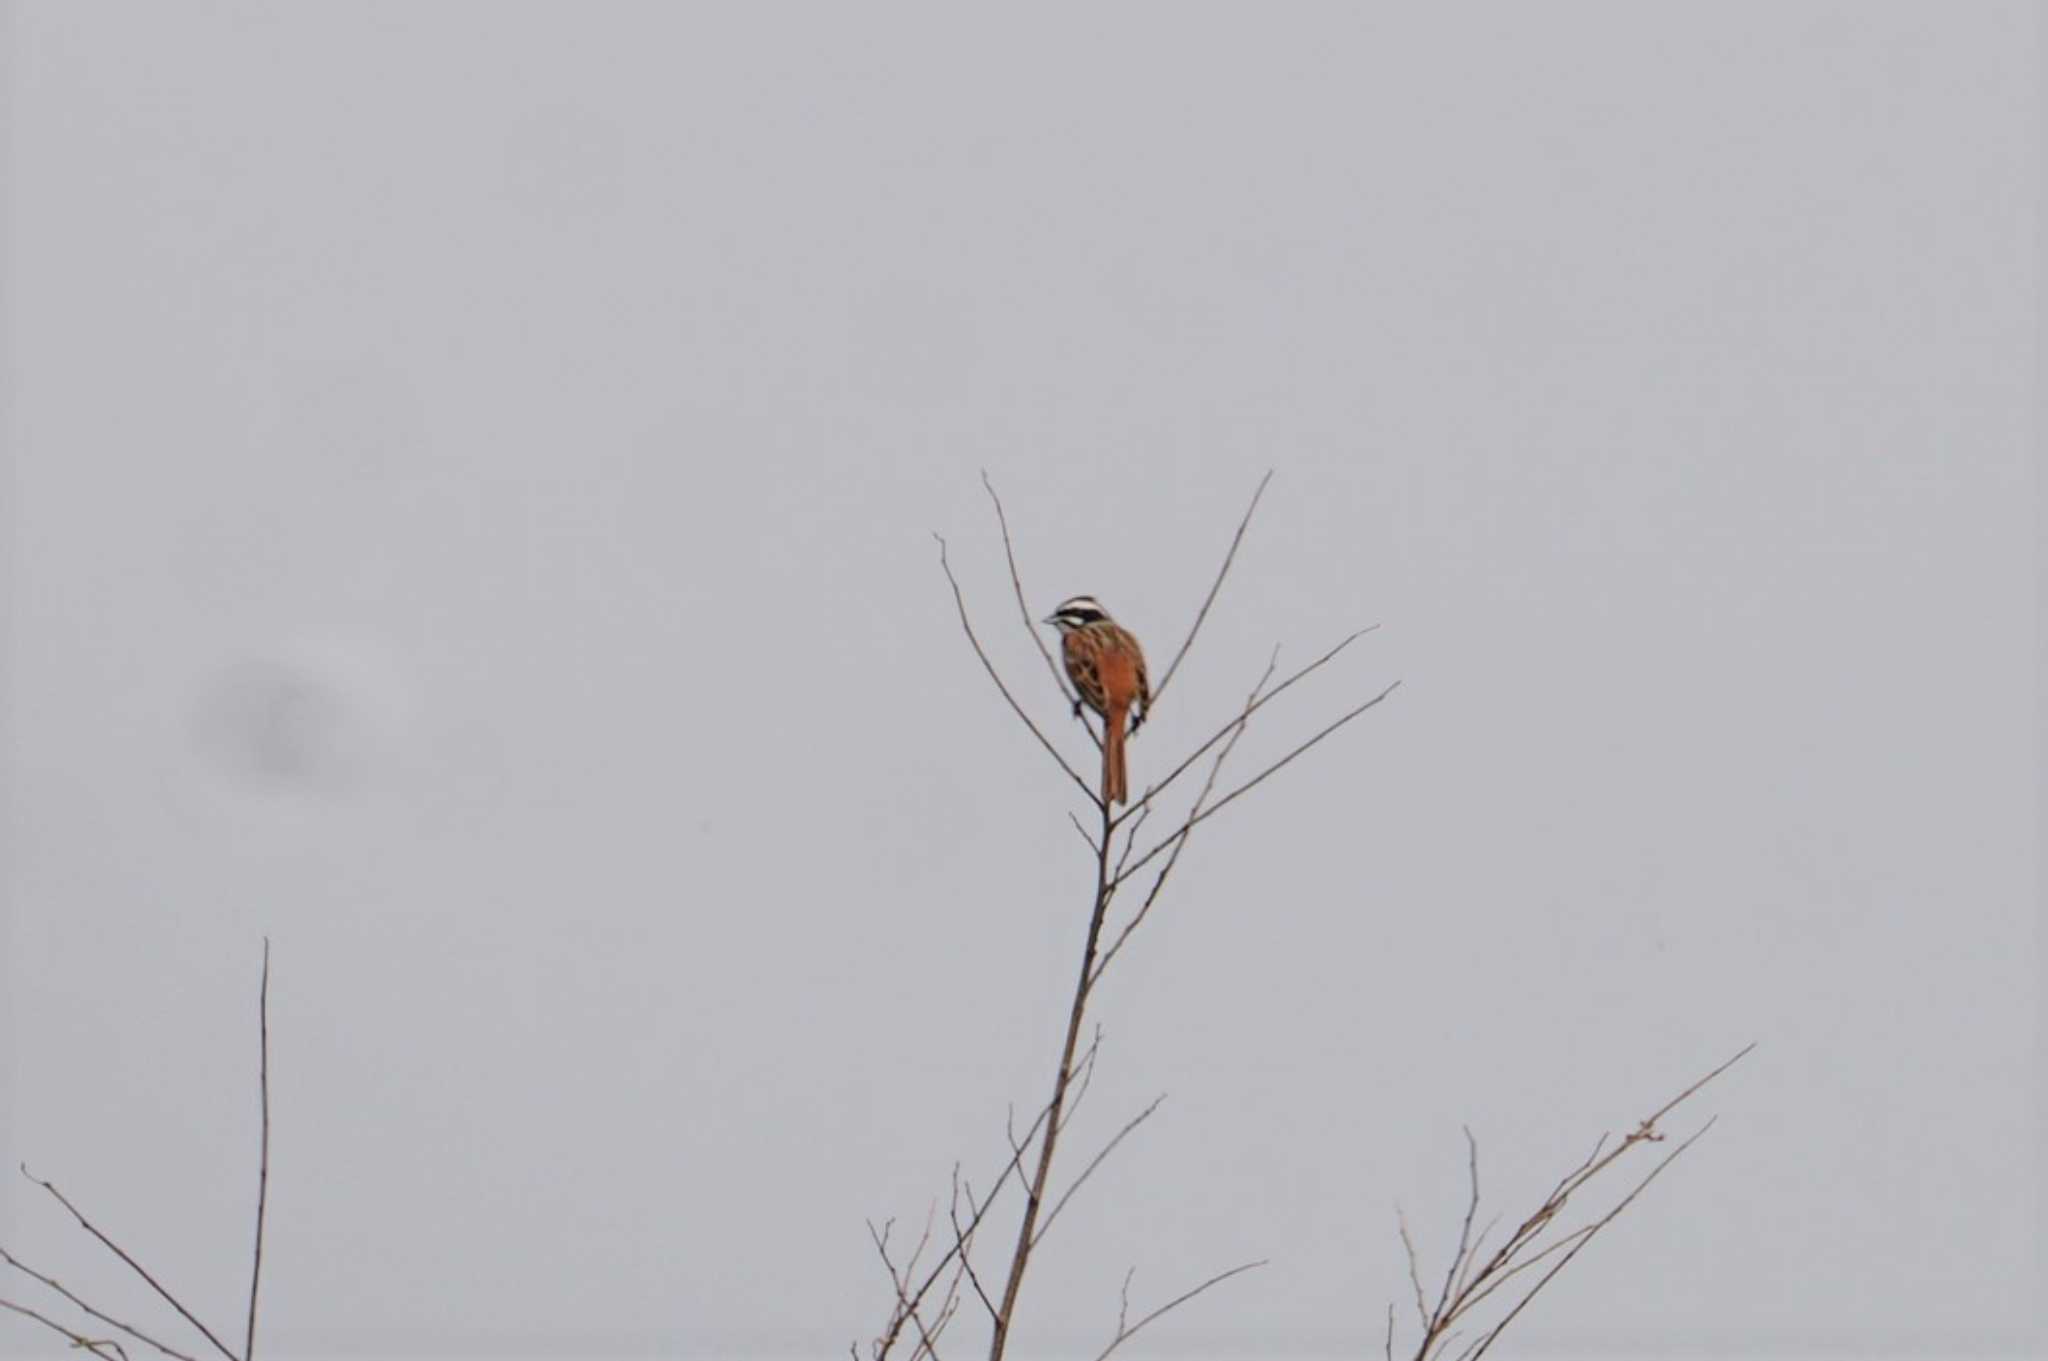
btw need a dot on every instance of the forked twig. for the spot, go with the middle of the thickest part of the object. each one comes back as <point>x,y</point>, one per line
<point>1124,1334</point>
<point>1180,843</point>
<point>927,1335</point>
<point>51,1283</point>
<point>1085,1067</point>
<point>1468,1283</point>
<point>1131,840</point>
<point>1585,1236</point>
<point>1084,1077</point>
<point>132,1265</point>
<point>1459,1258</point>
<point>1086,839</point>
<point>961,1243</point>
<point>1142,805</point>
<point>104,1348</point>
<point>1245,788</point>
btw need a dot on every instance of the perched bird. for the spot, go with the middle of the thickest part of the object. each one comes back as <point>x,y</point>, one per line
<point>1107,668</point>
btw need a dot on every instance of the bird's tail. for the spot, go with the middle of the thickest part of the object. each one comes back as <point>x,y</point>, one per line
<point>1114,787</point>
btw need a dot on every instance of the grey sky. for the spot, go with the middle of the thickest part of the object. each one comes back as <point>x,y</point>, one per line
<point>470,471</point>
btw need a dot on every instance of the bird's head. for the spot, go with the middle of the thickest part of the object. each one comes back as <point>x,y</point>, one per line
<point>1078,612</point>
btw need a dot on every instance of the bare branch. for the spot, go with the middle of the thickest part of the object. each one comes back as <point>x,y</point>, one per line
<point>1014,1167</point>
<point>1159,690</point>
<point>1093,849</point>
<point>1034,1189</point>
<point>1131,840</point>
<point>52,1283</point>
<point>1468,1283</point>
<point>1673,1103</point>
<point>1059,675</point>
<point>132,1264</point>
<point>1084,1077</point>
<point>1458,1258</point>
<point>263,1156</point>
<point>1180,843</point>
<point>1250,784</point>
<point>963,1243</point>
<point>1587,1237</point>
<point>1497,1279</point>
<point>106,1349</point>
<point>1139,808</point>
<point>960,602</point>
<point>1140,1118</point>
<point>1472,1258</point>
<point>1126,1334</point>
<point>931,1213</point>
<point>906,1306</point>
<point>1414,1271</point>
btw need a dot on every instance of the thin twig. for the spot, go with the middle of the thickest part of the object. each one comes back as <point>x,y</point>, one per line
<point>963,1240</point>
<point>1059,676</point>
<point>1464,1233</point>
<point>1590,1231</point>
<point>1414,1271</point>
<point>52,1283</point>
<point>1139,808</point>
<point>905,1305</point>
<point>931,1214</point>
<point>1083,1079</point>
<point>1126,1334</point>
<point>132,1264</point>
<point>1092,847</point>
<point>1495,1280</point>
<point>1208,787</point>
<point>105,1348</point>
<point>1250,784</point>
<point>1131,839</point>
<point>263,1157</point>
<point>1013,1167</point>
<point>1159,690</point>
<point>1673,1103</point>
<point>1468,1283</point>
<point>1054,1213</point>
<point>960,602</point>
<point>1472,1258</point>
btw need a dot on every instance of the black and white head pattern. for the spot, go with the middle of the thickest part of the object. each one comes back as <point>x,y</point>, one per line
<point>1078,612</point>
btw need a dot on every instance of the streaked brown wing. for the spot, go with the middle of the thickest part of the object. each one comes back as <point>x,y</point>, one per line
<point>1079,651</point>
<point>1144,680</point>
<point>1120,665</point>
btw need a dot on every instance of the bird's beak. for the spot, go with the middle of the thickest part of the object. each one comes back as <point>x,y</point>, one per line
<point>1049,619</point>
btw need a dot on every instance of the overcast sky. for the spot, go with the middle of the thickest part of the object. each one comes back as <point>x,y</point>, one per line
<point>470,477</point>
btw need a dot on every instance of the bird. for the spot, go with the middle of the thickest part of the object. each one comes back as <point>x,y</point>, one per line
<point>1107,668</point>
